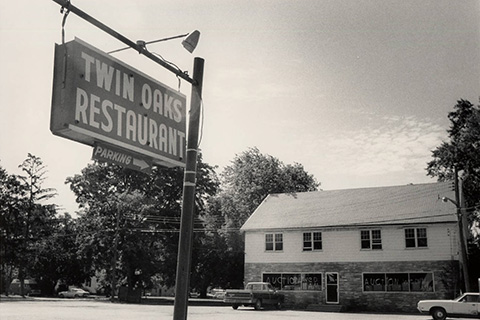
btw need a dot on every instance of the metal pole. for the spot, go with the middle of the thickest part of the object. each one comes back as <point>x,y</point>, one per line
<point>115,255</point>
<point>460,215</point>
<point>186,225</point>
<point>150,42</point>
<point>66,4</point>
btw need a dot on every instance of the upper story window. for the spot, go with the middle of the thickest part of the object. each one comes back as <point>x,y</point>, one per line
<point>416,238</point>
<point>273,241</point>
<point>312,241</point>
<point>371,239</point>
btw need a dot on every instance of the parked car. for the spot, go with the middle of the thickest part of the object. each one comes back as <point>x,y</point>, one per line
<point>467,305</point>
<point>217,293</point>
<point>255,294</point>
<point>74,293</point>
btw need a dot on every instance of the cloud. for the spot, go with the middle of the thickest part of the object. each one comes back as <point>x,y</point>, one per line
<point>398,144</point>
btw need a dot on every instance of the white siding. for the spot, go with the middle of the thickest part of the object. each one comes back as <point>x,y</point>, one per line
<point>343,245</point>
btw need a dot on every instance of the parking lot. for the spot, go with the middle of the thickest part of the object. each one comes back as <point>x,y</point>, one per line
<point>73,309</point>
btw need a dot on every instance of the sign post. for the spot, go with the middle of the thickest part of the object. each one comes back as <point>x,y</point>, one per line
<point>138,129</point>
<point>189,182</point>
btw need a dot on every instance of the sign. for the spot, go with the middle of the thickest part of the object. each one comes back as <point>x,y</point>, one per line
<point>124,158</point>
<point>97,98</point>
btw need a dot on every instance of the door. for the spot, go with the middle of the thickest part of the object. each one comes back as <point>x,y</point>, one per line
<point>267,294</point>
<point>468,305</point>
<point>332,287</point>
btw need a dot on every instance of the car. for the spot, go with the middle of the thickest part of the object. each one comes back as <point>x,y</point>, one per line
<point>255,294</point>
<point>467,305</point>
<point>74,293</point>
<point>217,293</point>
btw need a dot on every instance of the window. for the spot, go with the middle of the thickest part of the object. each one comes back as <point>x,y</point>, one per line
<point>274,242</point>
<point>416,238</point>
<point>278,242</point>
<point>470,298</point>
<point>398,282</point>
<point>294,281</point>
<point>421,282</point>
<point>374,282</point>
<point>312,241</point>
<point>371,239</point>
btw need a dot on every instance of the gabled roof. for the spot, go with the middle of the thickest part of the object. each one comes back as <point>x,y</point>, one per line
<point>409,204</point>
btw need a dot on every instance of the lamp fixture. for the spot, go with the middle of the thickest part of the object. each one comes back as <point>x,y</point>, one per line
<point>189,43</point>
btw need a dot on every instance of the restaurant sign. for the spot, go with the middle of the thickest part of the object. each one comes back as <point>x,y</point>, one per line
<point>99,99</point>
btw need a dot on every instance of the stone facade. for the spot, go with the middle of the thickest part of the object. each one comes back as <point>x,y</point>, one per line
<point>352,296</point>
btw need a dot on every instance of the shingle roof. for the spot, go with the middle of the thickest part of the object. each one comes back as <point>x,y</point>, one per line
<point>409,204</point>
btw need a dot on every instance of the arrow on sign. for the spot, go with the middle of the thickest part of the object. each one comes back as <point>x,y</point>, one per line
<point>124,158</point>
<point>140,163</point>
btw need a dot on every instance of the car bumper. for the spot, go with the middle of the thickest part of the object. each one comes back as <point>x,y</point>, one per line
<point>423,311</point>
<point>239,301</point>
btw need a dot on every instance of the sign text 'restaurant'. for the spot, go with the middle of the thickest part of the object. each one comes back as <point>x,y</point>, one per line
<point>99,98</point>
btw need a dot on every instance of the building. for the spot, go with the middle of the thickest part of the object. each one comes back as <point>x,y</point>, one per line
<point>361,249</point>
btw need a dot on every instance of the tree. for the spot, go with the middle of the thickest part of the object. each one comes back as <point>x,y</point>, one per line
<point>244,185</point>
<point>10,226</point>
<point>35,217</point>
<point>252,176</point>
<point>56,256</point>
<point>25,220</point>
<point>130,221</point>
<point>462,153</point>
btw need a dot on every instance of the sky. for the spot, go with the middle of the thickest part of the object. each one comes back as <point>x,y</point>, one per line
<point>357,91</point>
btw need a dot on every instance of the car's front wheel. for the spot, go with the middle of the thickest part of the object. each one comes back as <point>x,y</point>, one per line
<point>439,314</point>
<point>258,304</point>
<point>235,306</point>
<point>278,305</point>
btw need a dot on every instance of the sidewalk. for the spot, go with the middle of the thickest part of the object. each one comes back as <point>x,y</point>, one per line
<point>145,300</point>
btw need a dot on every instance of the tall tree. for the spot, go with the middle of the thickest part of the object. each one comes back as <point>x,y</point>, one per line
<point>129,224</point>
<point>244,185</point>
<point>10,226</point>
<point>36,216</point>
<point>462,153</point>
<point>25,220</point>
<point>252,176</point>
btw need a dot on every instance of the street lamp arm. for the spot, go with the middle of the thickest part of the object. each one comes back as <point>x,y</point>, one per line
<point>140,42</point>
<point>66,4</point>
<point>445,199</point>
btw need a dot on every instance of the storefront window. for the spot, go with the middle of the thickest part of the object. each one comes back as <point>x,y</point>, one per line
<point>294,281</point>
<point>422,282</point>
<point>312,281</point>
<point>275,279</point>
<point>291,281</point>
<point>374,282</point>
<point>398,282</point>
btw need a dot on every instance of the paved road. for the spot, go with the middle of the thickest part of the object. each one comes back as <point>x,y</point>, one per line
<point>83,309</point>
